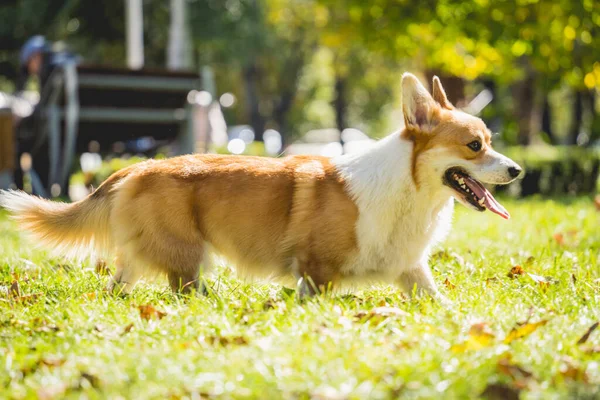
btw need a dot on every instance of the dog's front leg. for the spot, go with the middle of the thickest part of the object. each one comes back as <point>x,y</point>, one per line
<point>422,278</point>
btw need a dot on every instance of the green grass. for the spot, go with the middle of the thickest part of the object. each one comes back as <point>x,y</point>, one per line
<point>256,340</point>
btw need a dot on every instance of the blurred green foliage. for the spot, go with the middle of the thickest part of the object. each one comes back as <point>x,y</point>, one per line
<point>296,65</point>
<point>536,156</point>
<point>95,177</point>
<point>549,170</point>
<point>555,170</point>
<point>98,175</point>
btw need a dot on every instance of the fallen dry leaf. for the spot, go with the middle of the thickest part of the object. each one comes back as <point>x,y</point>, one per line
<point>559,238</point>
<point>516,271</point>
<point>480,336</point>
<point>34,366</point>
<point>449,284</point>
<point>52,362</point>
<point>42,325</point>
<point>523,330</point>
<point>63,267</point>
<point>17,277</point>
<point>586,336</point>
<point>481,330</point>
<point>406,345</point>
<point>270,304</point>
<point>224,340</point>
<point>14,290</point>
<point>186,345</point>
<point>593,350</point>
<point>148,312</point>
<point>530,260</point>
<point>569,369</point>
<point>89,296</point>
<point>542,281</point>
<point>514,371</point>
<point>490,280</point>
<point>380,313</point>
<point>499,391</point>
<point>89,379</point>
<point>127,329</point>
<point>30,298</point>
<point>47,328</point>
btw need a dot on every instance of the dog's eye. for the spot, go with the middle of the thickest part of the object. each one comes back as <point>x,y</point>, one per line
<point>475,145</point>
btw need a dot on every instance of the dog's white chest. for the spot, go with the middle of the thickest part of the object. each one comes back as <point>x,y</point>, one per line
<point>398,223</point>
<point>389,246</point>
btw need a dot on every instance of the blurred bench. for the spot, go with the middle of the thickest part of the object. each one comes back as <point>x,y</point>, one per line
<point>83,103</point>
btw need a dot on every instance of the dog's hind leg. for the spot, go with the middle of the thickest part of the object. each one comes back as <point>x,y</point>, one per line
<point>313,278</point>
<point>185,283</point>
<point>184,276</point>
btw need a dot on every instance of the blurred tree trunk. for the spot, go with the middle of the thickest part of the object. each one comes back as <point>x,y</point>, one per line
<point>547,119</point>
<point>340,103</point>
<point>280,114</point>
<point>577,118</point>
<point>590,97</point>
<point>453,85</point>
<point>179,49</point>
<point>524,99</point>
<point>288,89</point>
<point>495,122</point>
<point>135,34</point>
<point>251,75</point>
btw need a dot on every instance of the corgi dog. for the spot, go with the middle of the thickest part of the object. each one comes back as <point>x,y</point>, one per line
<point>362,216</point>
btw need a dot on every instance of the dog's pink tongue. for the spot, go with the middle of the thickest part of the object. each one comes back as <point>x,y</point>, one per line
<point>490,201</point>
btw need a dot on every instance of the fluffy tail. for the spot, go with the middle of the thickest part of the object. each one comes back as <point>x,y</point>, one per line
<point>75,229</point>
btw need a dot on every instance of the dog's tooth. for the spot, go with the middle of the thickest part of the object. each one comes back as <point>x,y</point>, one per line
<point>481,201</point>
<point>461,181</point>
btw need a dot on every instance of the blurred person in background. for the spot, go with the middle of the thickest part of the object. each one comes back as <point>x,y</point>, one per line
<point>37,61</point>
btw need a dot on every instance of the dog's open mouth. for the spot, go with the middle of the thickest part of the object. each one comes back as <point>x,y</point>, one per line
<point>473,192</point>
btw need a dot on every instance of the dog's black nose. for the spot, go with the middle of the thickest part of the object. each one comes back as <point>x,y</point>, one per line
<point>514,171</point>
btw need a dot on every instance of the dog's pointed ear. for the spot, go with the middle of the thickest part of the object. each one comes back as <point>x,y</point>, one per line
<point>439,94</point>
<point>418,106</point>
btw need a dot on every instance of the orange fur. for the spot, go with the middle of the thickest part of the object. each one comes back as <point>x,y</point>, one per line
<point>265,215</point>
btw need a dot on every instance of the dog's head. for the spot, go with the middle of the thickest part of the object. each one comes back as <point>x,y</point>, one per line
<point>452,150</point>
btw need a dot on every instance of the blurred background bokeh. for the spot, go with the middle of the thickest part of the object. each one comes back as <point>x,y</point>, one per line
<point>277,77</point>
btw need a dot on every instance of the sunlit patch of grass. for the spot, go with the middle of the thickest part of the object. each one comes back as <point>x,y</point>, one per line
<point>256,340</point>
